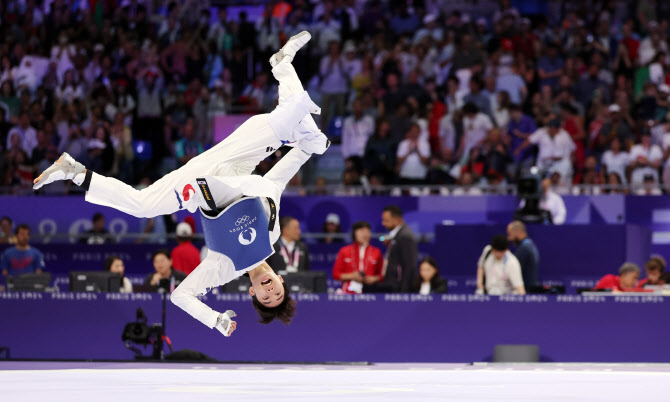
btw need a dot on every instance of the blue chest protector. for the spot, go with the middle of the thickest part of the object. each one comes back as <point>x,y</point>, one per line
<point>240,232</point>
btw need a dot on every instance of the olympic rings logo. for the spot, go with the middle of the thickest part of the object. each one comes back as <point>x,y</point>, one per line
<point>242,220</point>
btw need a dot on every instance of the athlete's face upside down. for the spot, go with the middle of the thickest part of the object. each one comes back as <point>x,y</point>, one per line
<point>267,286</point>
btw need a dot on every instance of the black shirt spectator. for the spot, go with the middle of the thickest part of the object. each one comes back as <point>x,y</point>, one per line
<point>401,254</point>
<point>98,234</point>
<point>526,253</point>
<point>428,281</point>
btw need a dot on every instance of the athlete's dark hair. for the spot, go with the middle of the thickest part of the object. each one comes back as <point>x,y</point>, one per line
<point>284,312</point>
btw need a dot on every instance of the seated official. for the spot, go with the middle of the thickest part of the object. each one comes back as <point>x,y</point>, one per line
<point>429,280</point>
<point>626,281</point>
<point>115,264</point>
<point>359,263</point>
<point>655,268</point>
<point>165,278</point>
<point>291,254</point>
<point>498,270</point>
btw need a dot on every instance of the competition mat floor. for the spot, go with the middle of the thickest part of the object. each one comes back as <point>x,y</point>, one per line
<point>149,382</point>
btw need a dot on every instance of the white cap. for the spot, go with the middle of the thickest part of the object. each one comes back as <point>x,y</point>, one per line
<point>99,47</point>
<point>614,108</point>
<point>664,88</point>
<point>184,230</point>
<point>333,218</point>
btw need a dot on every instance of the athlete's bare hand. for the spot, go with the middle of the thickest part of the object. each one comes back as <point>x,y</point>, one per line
<point>232,328</point>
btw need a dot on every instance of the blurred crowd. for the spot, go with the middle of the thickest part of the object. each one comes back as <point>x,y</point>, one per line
<point>412,92</point>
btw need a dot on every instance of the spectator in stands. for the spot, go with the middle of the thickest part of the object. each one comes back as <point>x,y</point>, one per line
<point>476,126</point>
<point>645,160</point>
<point>429,280</point>
<point>380,151</point>
<point>291,254</point>
<point>334,84</point>
<point>359,263</point>
<point>188,147</point>
<point>615,160</point>
<point>498,270</point>
<point>412,157</point>
<point>356,131</point>
<point>97,234</point>
<point>526,252</point>
<point>626,281</point>
<point>185,257</point>
<point>550,66</point>
<point>26,133</point>
<point>6,234</point>
<point>114,263</point>
<point>477,97</point>
<point>165,278</point>
<point>22,258</point>
<point>655,268</point>
<point>616,127</point>
<point>555,147</point>
<point>553,203</point>
<point>401,253</point>
<point>331,225</point>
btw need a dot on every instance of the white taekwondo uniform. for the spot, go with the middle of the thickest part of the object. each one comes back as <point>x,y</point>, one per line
<point>226,168</point>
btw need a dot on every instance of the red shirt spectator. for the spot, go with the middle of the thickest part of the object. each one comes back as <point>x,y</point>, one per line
<point>185,257</point>
<point>353,270</point>
<point>626,281</point>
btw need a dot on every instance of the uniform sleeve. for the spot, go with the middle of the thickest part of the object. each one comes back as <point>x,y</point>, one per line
<point>284,170</point>
<point>515,277</point>
<point>338,267</point>
<point>215,270</point>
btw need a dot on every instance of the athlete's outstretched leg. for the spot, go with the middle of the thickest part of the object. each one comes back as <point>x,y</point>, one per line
<point>306,132</point>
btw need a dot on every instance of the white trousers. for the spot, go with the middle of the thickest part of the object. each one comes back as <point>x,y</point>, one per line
<point>237,155</point>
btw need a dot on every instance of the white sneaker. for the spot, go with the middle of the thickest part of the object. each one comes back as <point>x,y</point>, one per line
<point>65,168</point>
<point>290,48</point>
